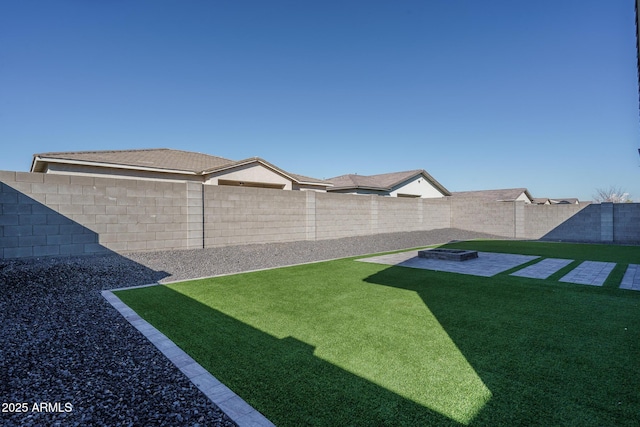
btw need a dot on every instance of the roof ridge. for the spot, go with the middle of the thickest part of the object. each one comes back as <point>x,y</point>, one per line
<point>493,189</point>
<point>104,151</point>
<point>398,172</point>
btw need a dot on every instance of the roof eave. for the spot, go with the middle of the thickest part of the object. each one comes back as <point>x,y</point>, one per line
<point>360,187</point>
<point>319,184</point>
<point>110,165</point>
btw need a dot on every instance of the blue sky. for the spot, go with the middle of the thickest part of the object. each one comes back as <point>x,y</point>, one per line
<point>482,95</point>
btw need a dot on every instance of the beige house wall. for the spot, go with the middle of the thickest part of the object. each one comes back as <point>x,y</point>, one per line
<point>254,173</point>
<point>523,198</point>
<point>104,172</point>
<point>417,186</point>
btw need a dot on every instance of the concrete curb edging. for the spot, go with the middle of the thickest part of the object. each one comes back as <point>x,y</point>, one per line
<point>230,403</point>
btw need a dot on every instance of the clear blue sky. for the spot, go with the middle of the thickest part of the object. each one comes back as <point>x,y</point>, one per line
<point>481,94</point>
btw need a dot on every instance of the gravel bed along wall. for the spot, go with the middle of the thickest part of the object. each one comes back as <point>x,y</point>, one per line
<point>189,264</point>
<point>68,358</point>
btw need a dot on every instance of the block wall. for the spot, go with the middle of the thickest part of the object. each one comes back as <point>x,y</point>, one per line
<point>626,225</point>
<point>569,223</point>
<point>404,214</point>
<point>398,215</point>
<point>436,213</point>
<point>239,215</point>
<point>555,220</point>
<point>55,214</point>
<point>345,215</point>
<point>498,218</point>
<point>35,218</point>
<point>51,214</point>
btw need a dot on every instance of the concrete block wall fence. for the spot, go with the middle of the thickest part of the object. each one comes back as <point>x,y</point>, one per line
<point>564,222</point>
<point>560,221</point>
<point>35,221</point>
<point>238,215</point>
<point>498,218</point>
<point>54,215</point>
<point>50,214</point>
<point>339,216</point>
<point>626,223</point>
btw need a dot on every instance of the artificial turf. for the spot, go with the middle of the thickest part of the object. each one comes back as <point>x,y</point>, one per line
<point>350,343</point>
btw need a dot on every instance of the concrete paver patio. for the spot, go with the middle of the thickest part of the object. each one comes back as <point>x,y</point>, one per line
<point>589,273</point>
<point>487,264</point>
<point>631,279</point>
<point>543,269</point>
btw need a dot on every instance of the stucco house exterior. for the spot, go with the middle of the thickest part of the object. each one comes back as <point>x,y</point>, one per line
<point>414,183</point>
<point>175,165</point>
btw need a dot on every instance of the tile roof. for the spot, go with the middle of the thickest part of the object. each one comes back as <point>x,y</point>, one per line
<point>382,182</point>
<point>503,195</point>
<point>541,200</point>
<point>564,201</point>
<point>162,159</point>
<point>556,201</point>
<point>295,177</point>
<point>154,158</point>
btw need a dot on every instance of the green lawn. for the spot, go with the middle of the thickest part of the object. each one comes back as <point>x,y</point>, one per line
<point>350,343</point>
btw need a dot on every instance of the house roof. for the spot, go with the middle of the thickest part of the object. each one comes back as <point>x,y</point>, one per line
<point>156,159</point>
<point>541,201</point>
<point>564,201</point>
<point>301,179</point>
<point>382,182</point>
<point>160,160</point>
<point>503,195</point>
<point>556,201</point>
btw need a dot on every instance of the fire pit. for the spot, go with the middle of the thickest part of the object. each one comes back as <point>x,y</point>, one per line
<point>448,254</point>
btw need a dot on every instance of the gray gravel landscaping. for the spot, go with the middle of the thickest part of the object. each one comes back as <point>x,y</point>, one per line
<point>68,358</point>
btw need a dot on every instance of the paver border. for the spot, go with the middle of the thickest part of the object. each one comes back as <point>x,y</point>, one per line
<point>243,414</point>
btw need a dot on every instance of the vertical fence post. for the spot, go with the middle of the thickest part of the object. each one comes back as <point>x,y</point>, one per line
<point>195,215</point>
<point>311,215</point>
<point>373,216</point>
<point>606,222</point>
<point>519,224</point>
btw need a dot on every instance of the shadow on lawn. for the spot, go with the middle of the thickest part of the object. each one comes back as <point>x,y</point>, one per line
<point>281,378</point>
<point>548,356</point>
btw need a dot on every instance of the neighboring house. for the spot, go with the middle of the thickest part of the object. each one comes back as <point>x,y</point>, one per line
<point>504,195</point>
<point>563,201</point>
<point>175,165</point>
<point>415,183</point>
<point>541,201</point>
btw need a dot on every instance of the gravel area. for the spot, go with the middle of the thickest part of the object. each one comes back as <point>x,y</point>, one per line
<point>189,264</point>
<point>68,358</point>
